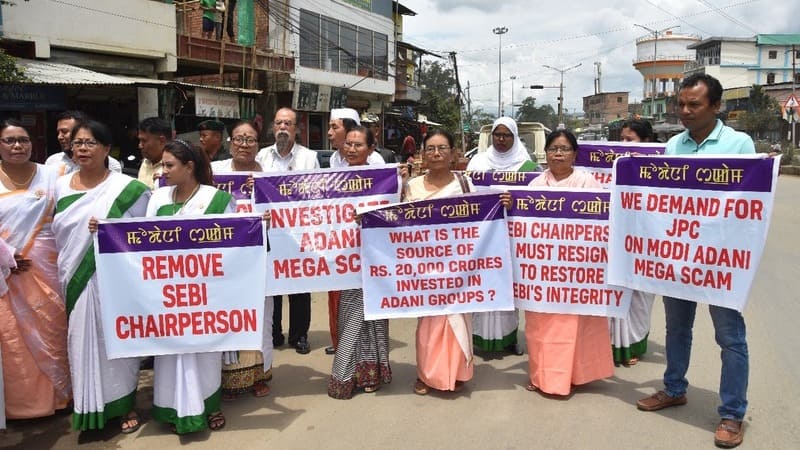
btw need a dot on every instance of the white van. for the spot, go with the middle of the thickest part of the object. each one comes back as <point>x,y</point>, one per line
<point>532,134</point>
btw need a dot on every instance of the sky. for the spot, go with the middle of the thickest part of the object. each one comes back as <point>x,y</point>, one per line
<point>564,33</point>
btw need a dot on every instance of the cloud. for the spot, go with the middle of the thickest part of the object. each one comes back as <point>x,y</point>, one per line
<point>569,32</point>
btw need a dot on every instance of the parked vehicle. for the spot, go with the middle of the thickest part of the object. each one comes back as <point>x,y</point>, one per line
<point>532,134</point>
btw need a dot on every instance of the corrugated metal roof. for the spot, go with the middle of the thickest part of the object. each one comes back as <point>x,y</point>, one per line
<point>778,39</point>
<point>45,72</point>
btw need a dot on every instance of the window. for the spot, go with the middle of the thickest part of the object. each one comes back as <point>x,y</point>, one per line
<point>309,39</point>
<point>771,78</point>
<point>330,44</point>
<point>619,99</point>
<point>797,78</point>
<point>365,67</point>
<point>773,54</point>
<point>348,50</point>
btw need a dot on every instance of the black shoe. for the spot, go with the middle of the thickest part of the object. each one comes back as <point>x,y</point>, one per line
<point>302,346</point>
<point>278,340</point>
<point>146,364</point>
<point>514,349</point>
<point>330,350</point>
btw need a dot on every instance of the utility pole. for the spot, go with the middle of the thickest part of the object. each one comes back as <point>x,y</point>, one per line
<point>513,77</point>
<point>500,31</point>
<point>561,91</point>
<point>794,83</point>
<point>655,65</point>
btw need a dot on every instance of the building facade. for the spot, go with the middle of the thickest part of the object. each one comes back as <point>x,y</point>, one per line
<point>600,109</point>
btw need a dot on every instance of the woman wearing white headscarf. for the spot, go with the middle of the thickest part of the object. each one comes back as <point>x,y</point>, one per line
<point>497,330</point>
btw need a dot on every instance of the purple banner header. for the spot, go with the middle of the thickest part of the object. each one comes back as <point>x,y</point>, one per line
<point>234,184</point>
<point>465,208</point>
<point>325,184</point>
<point>179,234</point>
<point>694,172</point>
<point>498,178</point>
<point>585,205</point>
<point>601,154</point>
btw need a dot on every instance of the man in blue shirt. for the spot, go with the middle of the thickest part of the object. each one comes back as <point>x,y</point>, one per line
<point>698,104</point>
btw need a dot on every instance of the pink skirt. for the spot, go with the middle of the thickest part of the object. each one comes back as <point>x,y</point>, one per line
<point>440,360</point>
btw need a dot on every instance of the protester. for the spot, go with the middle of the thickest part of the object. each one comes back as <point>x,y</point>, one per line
<point>362,355</point>
<point>33,321</point>
<point>629,335</point>
<point>372,122</point>
<point>211,140</point>
<point>497,330</point>
<point>409,148</point>
<point>209,8</point>
<point>230,11</point>
<point>287,155</point>
<point>251,370</point>
<point>187,387</point>
<point>342,121</point>
<point>63,160</point>
<point>444,343</point>
<point>565,350</point>
<point>153,135</point>
<point>102,388</point>
<point>699,99</point>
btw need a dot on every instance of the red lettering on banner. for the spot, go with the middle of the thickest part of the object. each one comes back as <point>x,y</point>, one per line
<point>582,253</point>
<point>653,269</point>
<point>683,205</point>
<point>602,178</point>
<point>162,267</point>
<point>297,267</point>
<point>409,237</point>
<point>183,294</point>
<point>455,297</point>
<point>569,231</point>
<point>244,208</point>
<point>631,200</point>
<point>583,296</point>
<point>307,216</point>
<point>681,226</point>
<point>402,302</point>
<point>665,249</point>
<point>348,263</point>
<point>517,229</point>
<point>527,292</point>
<point>569,274</point>
<point>715,279</point>
<point>471,265</point>
<point>332,240</point>
<point>378,271</point>
<point>534,250</point>
<point>466,233</point>
<point>183,323</point>
<point>436,251</point>
<point>744,209</point>
<point>712,256</point>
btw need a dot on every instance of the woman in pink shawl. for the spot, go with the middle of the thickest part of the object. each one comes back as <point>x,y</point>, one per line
<point>565,349</point>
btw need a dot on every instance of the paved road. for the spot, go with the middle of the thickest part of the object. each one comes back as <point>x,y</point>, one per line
<point>495,411</point>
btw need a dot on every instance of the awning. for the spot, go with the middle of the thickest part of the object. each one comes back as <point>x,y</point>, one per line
<point>52,73</point>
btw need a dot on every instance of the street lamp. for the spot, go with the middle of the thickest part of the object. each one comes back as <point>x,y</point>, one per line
<point>513,77</point>
<point>561,91</point>
<point>500,31</point>
<point>655,63</point>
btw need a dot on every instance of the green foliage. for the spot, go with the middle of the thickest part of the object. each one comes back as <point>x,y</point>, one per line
<point>529,112</point>
<point>9,72</point>
<point>762,116</point>
<point>439,100</point>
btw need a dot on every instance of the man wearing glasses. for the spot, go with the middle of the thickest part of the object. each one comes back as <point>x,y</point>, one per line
<point>284,155</point>
<point>63,159</point>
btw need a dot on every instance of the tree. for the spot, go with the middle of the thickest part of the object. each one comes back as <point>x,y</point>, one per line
<point>9,72</point>
<point>762,115</point>
<point>439,100</point>
<point>529,112</point>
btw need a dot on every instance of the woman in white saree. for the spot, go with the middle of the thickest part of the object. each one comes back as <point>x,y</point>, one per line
<point>102,388</point>
<point>187,387</point>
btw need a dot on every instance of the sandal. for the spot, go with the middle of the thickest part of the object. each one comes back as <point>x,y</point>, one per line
<point>126,420</point>
<point>630,362</point>
<point>261,389</point>
<point>372,388</point>
<point>229,397</point>
<point>531,387</point>
<point>216,421</point>
<point>420,388</point>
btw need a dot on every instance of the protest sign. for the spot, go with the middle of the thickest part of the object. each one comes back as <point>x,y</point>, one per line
<point>691,227</point>
<point>313,235</point>
<point>235,183</point>
<point>597,157</point>
<point>434,257</point>
<point>484,179</point>
<point>185,285</point>
<point>559,248</point>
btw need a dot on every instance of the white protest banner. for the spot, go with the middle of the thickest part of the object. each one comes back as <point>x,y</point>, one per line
<point>691,227</point>
<point>597,157</point>
<point>235,183</point>
<point>434,257</point>
<point>314,240</point>
<point>184,285</point>
<point>559,242</point>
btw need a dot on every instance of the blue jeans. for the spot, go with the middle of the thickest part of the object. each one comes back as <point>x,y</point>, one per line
<point>729,331</point>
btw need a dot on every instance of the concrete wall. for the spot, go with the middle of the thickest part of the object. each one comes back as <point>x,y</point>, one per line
<point>133,28</point>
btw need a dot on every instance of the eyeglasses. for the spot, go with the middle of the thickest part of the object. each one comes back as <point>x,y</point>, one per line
<point>559,148</point>
<point>288,123</point>
<point>22,140</point>
<point>88,143</point>
<point>355,144</point>
<point>503,136</point>
<point>242,140</point>
<point>441,148</point>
